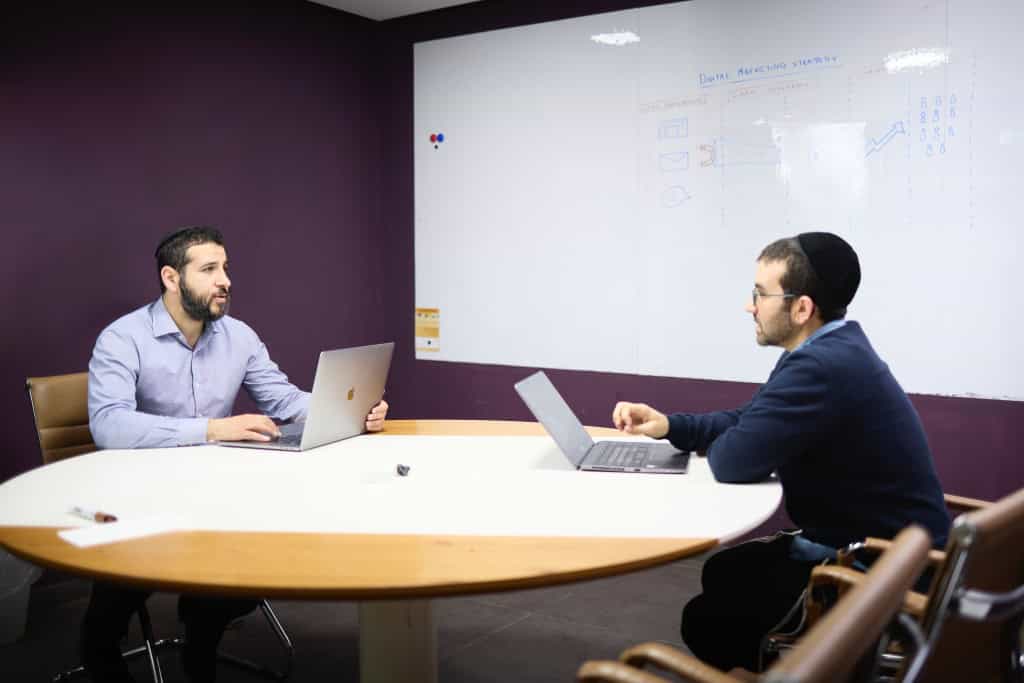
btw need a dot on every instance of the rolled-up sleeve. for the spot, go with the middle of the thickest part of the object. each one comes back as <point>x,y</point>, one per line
<point>114,418</point>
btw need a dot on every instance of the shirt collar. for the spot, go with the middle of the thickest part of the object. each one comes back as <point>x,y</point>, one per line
<point>821,332</point>
<point>163,323</point>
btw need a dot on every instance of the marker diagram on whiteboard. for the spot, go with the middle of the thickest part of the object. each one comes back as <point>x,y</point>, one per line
<point>600,206</point>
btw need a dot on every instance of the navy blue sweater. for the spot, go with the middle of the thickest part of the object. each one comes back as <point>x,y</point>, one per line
<point>847,444</point>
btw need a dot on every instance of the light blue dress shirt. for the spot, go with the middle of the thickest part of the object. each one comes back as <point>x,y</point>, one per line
<point>149,389</point>
<point>821,332</point>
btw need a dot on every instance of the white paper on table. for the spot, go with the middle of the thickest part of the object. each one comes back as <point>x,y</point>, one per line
<point>122,530</point>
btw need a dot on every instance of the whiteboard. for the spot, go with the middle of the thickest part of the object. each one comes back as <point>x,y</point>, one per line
<point>604,184</point>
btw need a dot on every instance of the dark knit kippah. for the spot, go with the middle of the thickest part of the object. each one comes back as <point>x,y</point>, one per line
<point>836,265</point>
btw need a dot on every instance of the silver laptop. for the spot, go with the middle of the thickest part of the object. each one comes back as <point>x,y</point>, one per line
<point>348,383</point>
<point>551,410</point>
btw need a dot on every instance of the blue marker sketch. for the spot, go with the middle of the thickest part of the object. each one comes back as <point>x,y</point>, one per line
<point>781,68</point>
<point>937,127</point>
<point>674,196</point>
<point>727,153</point>
<point>671,129</point>
<point>707,155</point>
<point>874,145</point>
<point>670,162</point>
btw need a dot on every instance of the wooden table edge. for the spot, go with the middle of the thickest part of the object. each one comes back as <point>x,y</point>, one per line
<point>479,428</point>
<point>29,543</point>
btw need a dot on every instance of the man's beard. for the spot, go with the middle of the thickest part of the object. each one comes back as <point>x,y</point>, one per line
<point>200,310</point>
<point>778,330</point>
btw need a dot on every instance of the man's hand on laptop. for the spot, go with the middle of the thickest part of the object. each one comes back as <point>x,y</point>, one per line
<point>242,428</point>
<point>375,420</point>
<point>639,418</point>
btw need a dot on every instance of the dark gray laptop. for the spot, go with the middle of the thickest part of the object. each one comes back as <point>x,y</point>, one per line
<point>348,383</point>
<point>551,410</point>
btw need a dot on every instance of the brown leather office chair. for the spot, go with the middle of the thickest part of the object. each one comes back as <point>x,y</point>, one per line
<point>842,646</point>
<point>972,616</point>
<point>777,642</point>
<point>61,411</point>
<point>957,505</point>
<point>974,612</point>
<point>60,407</point>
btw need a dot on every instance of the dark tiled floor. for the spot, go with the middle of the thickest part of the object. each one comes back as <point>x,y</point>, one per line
<point>526,636</point>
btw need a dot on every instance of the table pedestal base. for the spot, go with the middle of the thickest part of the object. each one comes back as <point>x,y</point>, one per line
<point>397,642</point>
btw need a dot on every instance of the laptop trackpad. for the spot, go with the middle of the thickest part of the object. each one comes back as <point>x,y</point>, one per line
<point>666,459</point>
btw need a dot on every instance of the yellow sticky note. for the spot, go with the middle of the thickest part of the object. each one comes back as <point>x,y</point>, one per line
<point>428,329</point>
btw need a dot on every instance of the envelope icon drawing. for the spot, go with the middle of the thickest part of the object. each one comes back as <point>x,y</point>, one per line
<point>674,161</point>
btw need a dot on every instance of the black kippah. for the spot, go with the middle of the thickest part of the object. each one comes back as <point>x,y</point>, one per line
<point>836,265</point>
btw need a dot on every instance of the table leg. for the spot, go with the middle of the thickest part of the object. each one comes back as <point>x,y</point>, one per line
<point>397,642</point>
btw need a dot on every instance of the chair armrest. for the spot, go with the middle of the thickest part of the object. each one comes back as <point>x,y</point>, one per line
<point>670,659</point>
<point>960,504</point>
<point>844,578</point>
<point>880,545</point>
<point>600,671</point>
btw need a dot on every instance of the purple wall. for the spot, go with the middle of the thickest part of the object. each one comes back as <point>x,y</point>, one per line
<point>121,121</point>
<point>290,127</point>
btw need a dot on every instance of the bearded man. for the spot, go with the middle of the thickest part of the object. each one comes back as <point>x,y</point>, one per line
<point>834,425</point>
<point>165,375</point>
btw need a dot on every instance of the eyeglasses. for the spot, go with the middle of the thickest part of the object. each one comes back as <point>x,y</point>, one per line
<point>755,295</point>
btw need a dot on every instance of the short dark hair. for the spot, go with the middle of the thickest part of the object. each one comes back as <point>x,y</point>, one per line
<point>173,249</point>
<point>800,278</point>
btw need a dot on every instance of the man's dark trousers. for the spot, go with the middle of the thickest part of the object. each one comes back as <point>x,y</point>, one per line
<point>748,590</point>
<point>111,608</point>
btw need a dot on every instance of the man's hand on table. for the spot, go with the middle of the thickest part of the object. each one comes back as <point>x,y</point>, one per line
<point>247,427</point>
<point>639,418</point>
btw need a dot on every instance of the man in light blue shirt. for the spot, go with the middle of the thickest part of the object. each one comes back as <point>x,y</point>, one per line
<point>167,374</point>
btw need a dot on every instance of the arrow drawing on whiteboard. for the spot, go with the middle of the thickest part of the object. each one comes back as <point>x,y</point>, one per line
<point>874,145</point>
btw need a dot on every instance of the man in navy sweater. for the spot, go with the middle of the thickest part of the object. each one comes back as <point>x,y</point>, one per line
<point>831,421</point>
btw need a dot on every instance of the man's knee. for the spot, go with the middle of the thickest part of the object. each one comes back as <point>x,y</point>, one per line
<point>715,636</point>
<point>749,570</point>
<point>110,610</point>
<point>692,620</point>
<point>214,612</point>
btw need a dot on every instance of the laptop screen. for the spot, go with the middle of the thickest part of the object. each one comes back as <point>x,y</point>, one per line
<point>551,410</point>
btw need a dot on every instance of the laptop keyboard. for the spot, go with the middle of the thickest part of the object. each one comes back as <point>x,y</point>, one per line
<point>291,434</point>
<point>622,455</point>
<point>290,439</point>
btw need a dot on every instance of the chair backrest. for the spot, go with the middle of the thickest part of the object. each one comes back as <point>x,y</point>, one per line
<point>985,553</point>
<point>60,405</point>
<point>832,650</point>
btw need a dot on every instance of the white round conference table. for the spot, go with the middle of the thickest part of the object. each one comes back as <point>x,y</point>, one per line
<point>485,506</point>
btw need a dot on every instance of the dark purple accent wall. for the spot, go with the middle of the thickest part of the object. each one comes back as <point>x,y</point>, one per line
<point>123,120</point>
<point>289,125</point>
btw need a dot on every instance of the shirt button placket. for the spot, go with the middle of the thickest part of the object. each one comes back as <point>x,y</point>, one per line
<point>195,385</point>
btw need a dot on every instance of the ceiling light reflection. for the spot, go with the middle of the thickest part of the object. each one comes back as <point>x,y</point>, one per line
<point>918,58</point>
<point>619,38</point>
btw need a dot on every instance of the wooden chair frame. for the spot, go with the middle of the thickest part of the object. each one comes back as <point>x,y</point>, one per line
<point>842,646</point>
<point>978,539</point>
